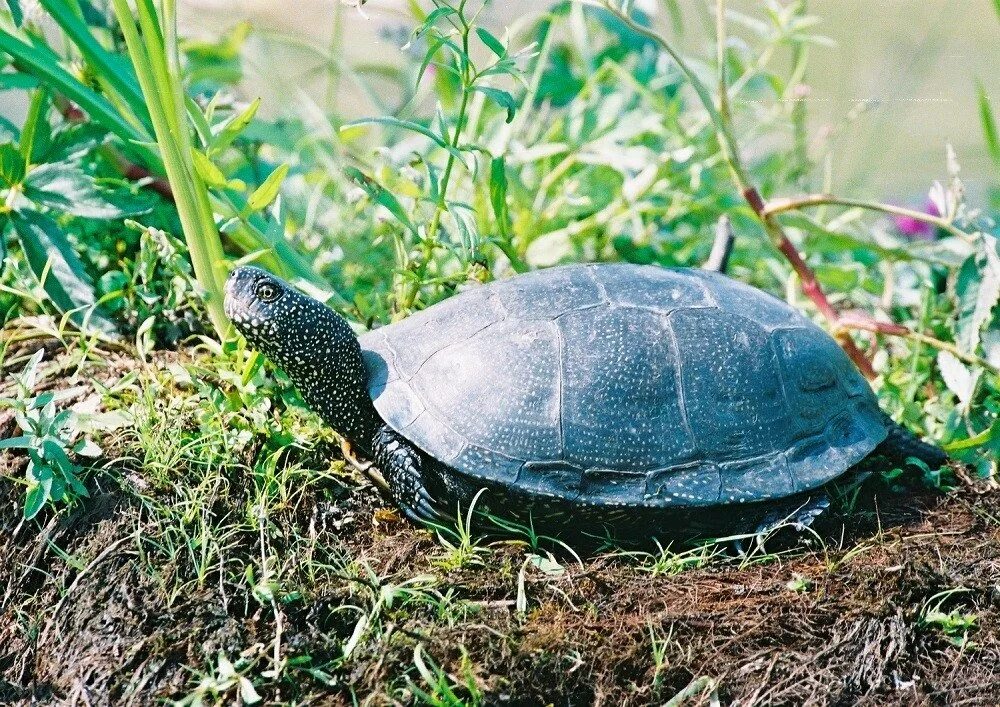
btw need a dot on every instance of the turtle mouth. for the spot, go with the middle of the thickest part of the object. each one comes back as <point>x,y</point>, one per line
<point>231,300</point>
<point>238,296</point>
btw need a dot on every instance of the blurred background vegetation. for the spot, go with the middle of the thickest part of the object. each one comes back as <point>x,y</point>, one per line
<point>888,89</point>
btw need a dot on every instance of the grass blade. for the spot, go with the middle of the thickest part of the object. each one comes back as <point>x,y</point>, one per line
<point>405,125</point>
<point>109,67</point>
<point>164,100</point>
<point>990,133</point>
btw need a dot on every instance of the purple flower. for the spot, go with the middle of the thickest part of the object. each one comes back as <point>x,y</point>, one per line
<point>915,228</point>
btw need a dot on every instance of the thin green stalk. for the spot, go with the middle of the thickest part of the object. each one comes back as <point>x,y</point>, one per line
<point>720,58</point>
<point>162,93</point>
<point>799,137</point>
<point>430,238</point>
<point>541,63</point>
<point>777,206</point>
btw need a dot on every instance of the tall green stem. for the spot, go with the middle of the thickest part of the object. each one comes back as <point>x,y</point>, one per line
<point>430,238</point>
<point>154,55</point>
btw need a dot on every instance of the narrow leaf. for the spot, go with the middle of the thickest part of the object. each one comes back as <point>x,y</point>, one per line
<point>405,125</point>
<point>15,442</point>
<point>35,500</point>
<point>51,256</point>
<point>436,15</point>
<point>232,128</point>
<point>112,68</point>
<point>208,170</point>
<point>18,14</point>
<point>268,191</point>
<point>45,66</point>
<point>990,133</point>
<point>501,98</point>
<point>492,42</point>
<point>498,193</point>
<point>11,165</point>
<point>17,81</point>
<point>380,195</point>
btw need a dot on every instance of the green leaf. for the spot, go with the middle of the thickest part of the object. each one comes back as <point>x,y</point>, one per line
<point>56,454</point>
<point>232,128</point>
<point>54,262</point>
<point>35,499</point>
<point>11,165</point>
<point>112,68</point>
<point>18,14</point>
<point>492,42</point>
<point>208,170</point>
<point>501,98</point>
<point>36,134</point>
<point>64,186</point>
<point>21,442</point>
<point>78,488</point>
<point>498,193</point>
<point>977,289</point>
<point>432,49</point>
<point>380,195</point>
<point>43,64</point>
<point>956,375</point>
<point>436,15</point>
<point>17,81</point>
<point>990,133</point>
<point>268,191</point>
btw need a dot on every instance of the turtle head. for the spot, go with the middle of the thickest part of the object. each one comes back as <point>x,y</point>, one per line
<point>262,307</point>
<point>314,345</point>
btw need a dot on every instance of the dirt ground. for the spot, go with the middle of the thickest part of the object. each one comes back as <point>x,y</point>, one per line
<point>840,626</point>
<point>896,603</point>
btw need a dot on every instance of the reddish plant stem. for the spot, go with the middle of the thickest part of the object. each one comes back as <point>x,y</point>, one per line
<point>854,320</point>
<point>136,173</point>
<point>807,279</point>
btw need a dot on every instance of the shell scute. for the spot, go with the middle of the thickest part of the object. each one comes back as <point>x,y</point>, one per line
<point>469,386</point>
<point>733,395</point>
<point>558,479</point>
<point>614,388</point>
<point>692,485</point>
<point>657,289</point>
<point>757,479</point>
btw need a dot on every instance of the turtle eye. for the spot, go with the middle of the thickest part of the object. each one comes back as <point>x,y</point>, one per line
<point>267,292</point>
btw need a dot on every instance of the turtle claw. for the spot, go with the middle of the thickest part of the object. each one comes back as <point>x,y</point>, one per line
<point>423,508</point>
<point>798,519</point>
<point>347,450</point>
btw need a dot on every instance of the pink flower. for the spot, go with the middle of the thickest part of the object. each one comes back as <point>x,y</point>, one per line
<point>915,228</point>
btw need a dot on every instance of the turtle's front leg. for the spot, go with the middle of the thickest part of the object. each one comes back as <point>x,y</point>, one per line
<point>402,466</point>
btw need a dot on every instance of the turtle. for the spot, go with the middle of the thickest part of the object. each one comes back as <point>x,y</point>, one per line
<point>645,399</point>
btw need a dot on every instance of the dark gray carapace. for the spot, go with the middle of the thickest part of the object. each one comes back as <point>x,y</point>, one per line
<point>598,386</point>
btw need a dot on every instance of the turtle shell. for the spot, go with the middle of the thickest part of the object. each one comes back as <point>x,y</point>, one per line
<point>625,385</point>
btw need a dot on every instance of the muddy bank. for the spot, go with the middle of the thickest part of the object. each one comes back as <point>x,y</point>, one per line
<point>83,622</point>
